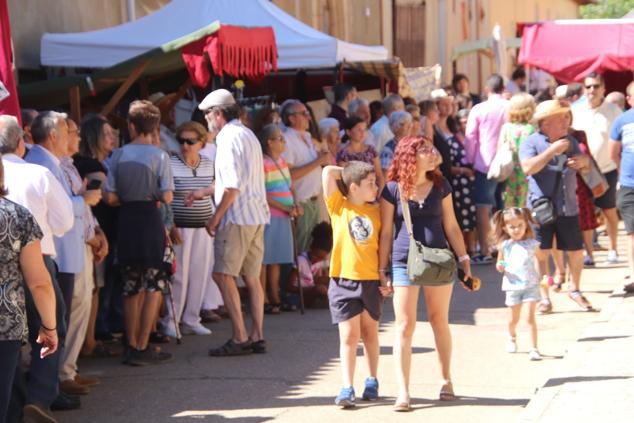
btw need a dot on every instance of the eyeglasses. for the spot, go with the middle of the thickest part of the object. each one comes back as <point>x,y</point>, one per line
<point>187,141</point>
<point>302,112</point>
<point>280,139</point>
<point>595,86</point>
<point>426,150</point>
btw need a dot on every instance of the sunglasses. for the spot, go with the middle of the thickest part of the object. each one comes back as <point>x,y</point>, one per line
<point>187,141</point>
<point>595,86</point>
<point>426,150</point>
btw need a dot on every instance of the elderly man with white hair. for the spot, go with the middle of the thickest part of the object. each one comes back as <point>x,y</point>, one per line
<point>238,224</point>
<point>381,128</point>
<point>305,164</point>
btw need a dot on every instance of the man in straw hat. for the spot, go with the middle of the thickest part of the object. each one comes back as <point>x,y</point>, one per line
<point>550,158</point>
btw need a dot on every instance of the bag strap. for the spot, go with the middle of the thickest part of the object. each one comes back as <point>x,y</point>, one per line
<point>407,216</point>
<point>558,176</point>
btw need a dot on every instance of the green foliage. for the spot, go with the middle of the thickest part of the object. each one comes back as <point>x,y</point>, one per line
<point>607,9</point>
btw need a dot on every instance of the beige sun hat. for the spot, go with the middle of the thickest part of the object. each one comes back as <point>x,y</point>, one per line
<point>549,108</point>
<point>220,97</point>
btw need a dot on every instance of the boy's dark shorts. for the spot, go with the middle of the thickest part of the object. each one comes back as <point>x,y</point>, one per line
<point>348,298</point>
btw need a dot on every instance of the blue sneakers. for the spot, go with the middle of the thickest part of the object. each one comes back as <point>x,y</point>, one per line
<point>371,391</point>
<point>345,399</point>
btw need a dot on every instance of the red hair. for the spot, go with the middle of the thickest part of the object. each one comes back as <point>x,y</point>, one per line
<point>403,166</point>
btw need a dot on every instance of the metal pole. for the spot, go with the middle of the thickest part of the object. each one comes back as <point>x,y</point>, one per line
<point>131,8</point>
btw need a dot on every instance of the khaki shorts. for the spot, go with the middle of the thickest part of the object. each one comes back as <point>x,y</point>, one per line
<point>239,249</point>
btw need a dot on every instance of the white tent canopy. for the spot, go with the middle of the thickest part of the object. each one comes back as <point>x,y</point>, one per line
<point>299,45</point>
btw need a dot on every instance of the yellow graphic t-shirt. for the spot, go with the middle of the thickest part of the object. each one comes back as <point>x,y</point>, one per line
<point>355,231</point>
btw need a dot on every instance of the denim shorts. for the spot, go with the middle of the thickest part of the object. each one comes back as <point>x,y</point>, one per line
<point>484,190</point>
<point>527,295</point>
<point>400,278</point>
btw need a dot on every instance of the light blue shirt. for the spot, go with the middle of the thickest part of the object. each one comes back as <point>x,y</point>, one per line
<point>70,246</point>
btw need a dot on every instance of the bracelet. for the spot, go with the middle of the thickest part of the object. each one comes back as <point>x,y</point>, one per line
<point>48,329</point>
<point>464,258</point>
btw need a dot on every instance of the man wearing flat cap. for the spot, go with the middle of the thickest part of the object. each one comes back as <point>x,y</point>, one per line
<point>551,159</point>
<point>238,224</point>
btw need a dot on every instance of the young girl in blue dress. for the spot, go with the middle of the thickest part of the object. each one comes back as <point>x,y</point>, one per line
<point>516,242</point>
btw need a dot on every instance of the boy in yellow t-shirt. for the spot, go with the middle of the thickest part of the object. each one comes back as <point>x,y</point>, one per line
<point>354,293</point>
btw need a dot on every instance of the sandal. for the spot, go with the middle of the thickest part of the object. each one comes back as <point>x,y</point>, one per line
<point>446,392</point>
<point>101,351</point>
<point>583,302</point>
<point>272,308</point>
<point>231,348</point>
<point>159,338</point>
<point>288,307</point>
<point>560,280</point>
<point>402,407</point>
<point>259,347</point>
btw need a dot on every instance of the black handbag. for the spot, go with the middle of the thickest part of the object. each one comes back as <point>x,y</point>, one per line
<point>544,211</point>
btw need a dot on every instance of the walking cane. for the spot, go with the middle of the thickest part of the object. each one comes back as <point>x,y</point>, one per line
<point>179,338</point>
<point>295,255</point>
<point>172,256</point>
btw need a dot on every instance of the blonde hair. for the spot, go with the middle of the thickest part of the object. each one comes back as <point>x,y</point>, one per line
<point>499,234</point>
<point>522,108</point>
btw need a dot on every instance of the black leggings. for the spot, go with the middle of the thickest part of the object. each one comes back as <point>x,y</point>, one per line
<point>9,353</point>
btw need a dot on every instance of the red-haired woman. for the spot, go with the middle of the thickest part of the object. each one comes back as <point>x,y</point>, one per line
<point>414,179</point>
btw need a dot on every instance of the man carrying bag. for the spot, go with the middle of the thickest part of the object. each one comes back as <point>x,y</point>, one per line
<point>551,160</point>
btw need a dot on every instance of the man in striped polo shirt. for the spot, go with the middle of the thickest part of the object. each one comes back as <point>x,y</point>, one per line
<point>238,224</point>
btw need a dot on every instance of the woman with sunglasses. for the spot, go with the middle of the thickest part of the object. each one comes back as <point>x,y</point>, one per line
<point>415,181</point>
<point>192,245</point>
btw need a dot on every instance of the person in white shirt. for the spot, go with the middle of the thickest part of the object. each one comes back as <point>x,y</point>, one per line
<point>238,224</point>
<point>34,186</point>
<point>381,128</point>
<point>38,190</point>
<point>305,164</point>
<point>595,116</point>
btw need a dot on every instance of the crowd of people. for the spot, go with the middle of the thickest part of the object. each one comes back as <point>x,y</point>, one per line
<point>155,237</point>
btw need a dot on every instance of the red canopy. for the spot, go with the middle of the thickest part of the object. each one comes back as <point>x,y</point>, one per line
<point>237,51</point>
<point>10,104</point>
<point>569,50</point>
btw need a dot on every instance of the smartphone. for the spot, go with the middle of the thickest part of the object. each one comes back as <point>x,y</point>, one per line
<point>93,184</point>
<point>472,283</point>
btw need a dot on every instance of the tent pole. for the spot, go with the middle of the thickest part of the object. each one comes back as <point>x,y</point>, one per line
<point>118,95</point>
<point>75,103</point>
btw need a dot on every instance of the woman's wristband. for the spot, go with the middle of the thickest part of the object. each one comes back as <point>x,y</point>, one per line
<point>464,258</point>
<point>48,329</point>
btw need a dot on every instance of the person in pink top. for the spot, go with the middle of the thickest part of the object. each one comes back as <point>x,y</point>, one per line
<point>483,130</point>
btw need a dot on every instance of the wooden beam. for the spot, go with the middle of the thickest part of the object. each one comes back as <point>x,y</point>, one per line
<point>118,95</point>
<point>75,103</point>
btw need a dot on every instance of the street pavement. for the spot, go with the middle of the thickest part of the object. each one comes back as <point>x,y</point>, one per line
<point>585,375</point>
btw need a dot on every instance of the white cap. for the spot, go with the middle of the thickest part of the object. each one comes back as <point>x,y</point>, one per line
<point>440,93</point>
<point>561,91</point>
<point>219,97</point>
